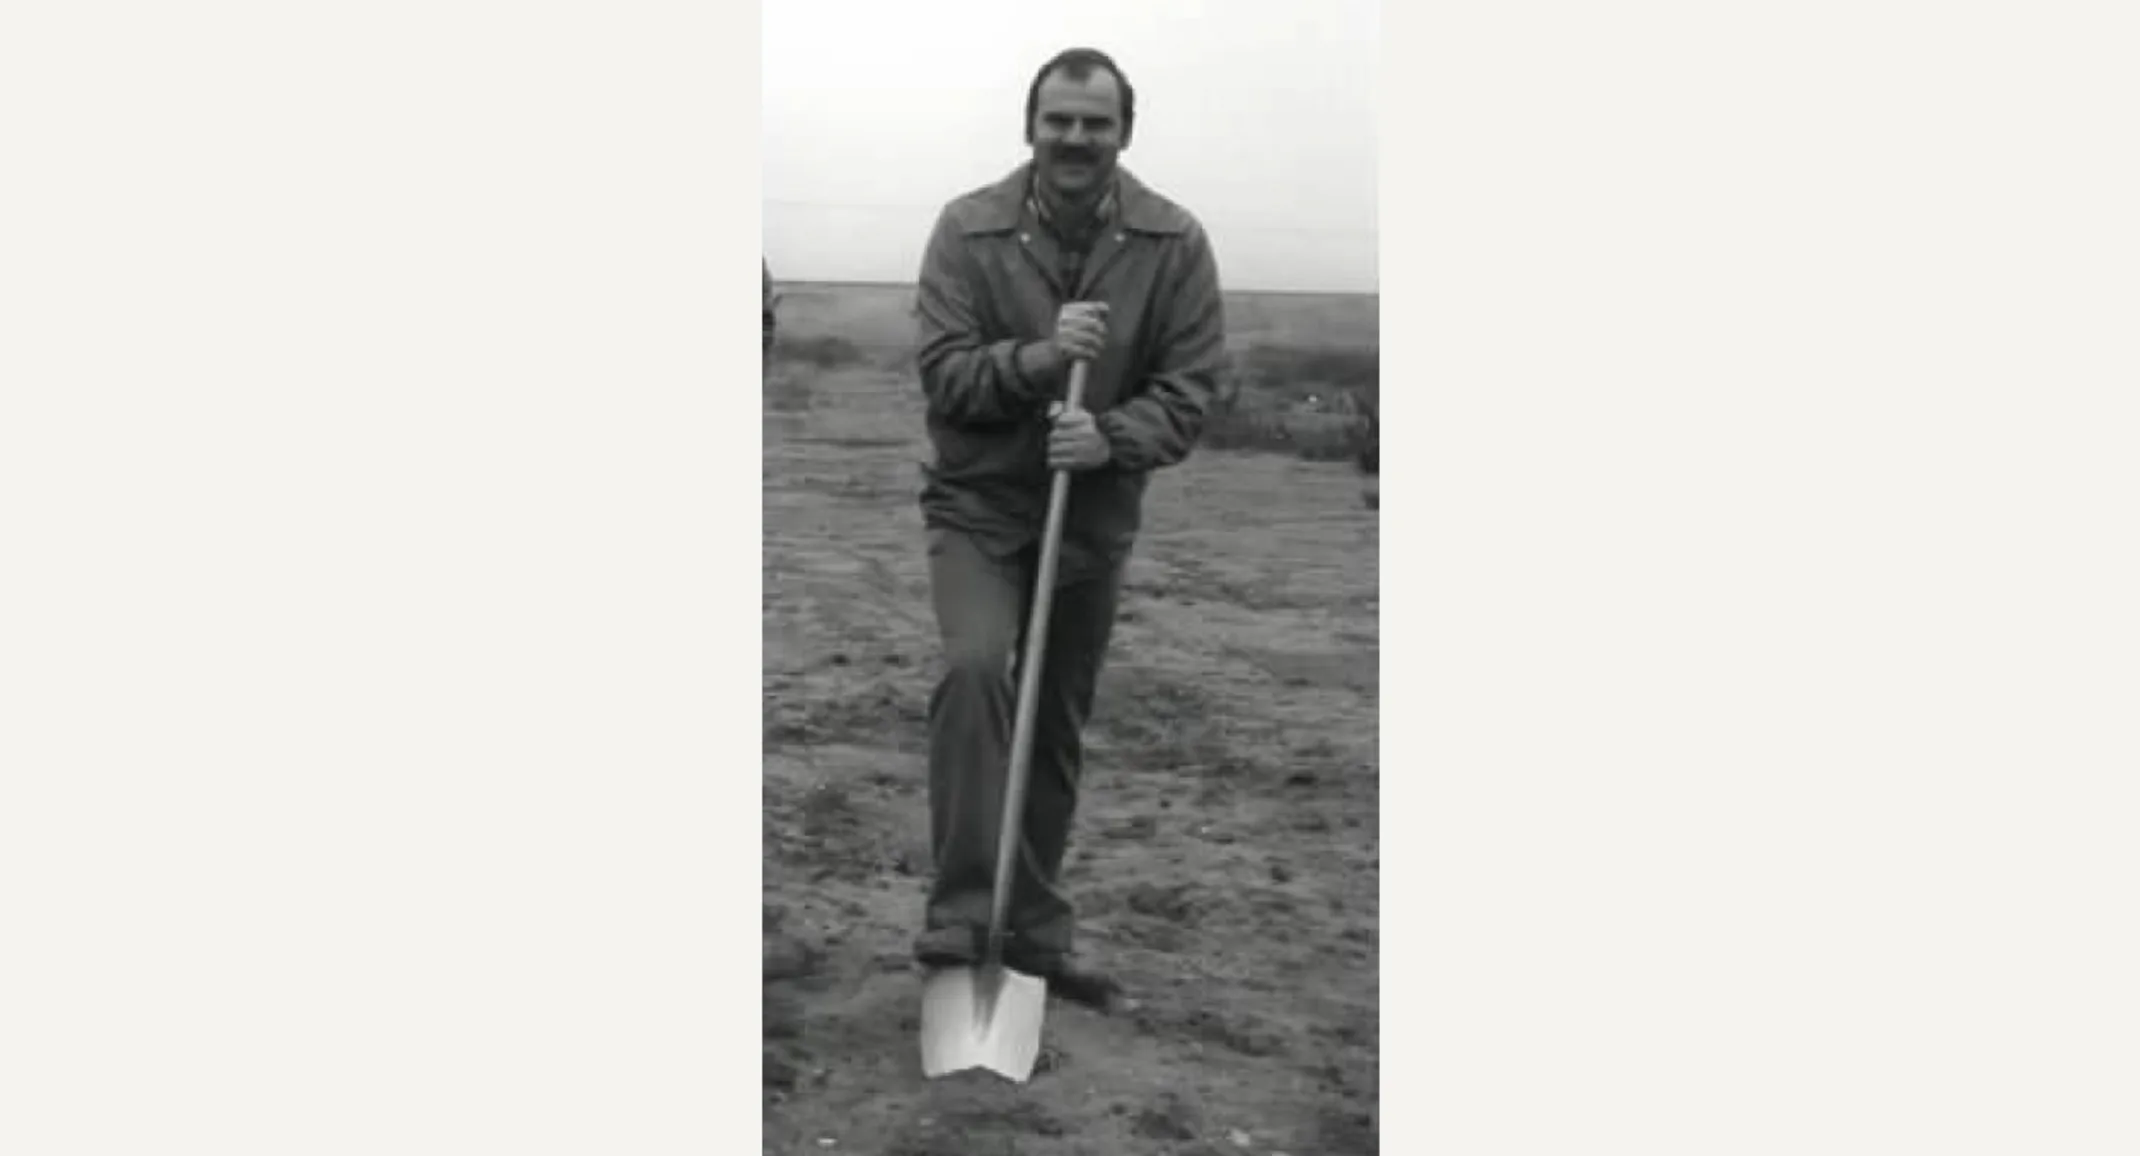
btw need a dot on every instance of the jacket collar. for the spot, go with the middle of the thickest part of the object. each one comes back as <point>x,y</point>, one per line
<point>1103,214</point>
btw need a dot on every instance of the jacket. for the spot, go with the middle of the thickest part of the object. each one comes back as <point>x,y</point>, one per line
<point>991,282</point>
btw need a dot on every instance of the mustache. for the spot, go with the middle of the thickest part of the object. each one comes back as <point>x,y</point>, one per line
<point>1074,153</point>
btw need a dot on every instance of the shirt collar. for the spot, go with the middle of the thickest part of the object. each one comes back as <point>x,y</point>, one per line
<point>1103,213</point>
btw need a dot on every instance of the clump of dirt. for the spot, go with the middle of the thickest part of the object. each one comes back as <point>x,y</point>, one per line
<point>1175,902</point>
<point>786,957</point>
<point>1237,1031</point>
<point>1168,1118</point>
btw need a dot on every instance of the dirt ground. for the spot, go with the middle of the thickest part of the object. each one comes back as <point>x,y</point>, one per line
<point>1225,858</point>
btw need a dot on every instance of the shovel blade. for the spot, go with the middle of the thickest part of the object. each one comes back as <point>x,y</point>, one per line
<point>982,1017</point>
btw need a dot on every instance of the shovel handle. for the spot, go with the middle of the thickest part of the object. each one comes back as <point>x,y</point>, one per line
<point>1009,833</point>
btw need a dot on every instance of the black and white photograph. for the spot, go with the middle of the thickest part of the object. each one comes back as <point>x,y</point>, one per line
<point>1070,585</point>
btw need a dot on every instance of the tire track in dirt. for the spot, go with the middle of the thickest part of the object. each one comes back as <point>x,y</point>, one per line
<point>1225,861</point>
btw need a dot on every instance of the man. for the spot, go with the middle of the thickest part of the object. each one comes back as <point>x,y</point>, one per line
<point>1068,258</point>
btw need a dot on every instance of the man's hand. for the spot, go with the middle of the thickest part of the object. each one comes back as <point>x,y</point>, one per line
<point>1075,441</point>
<point>1081,330</point>
<point>1080,333</point>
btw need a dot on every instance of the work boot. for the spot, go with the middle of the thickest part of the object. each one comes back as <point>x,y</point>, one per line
<point>942,947</point>
<point>1066,978</point>
<point>949,947</point>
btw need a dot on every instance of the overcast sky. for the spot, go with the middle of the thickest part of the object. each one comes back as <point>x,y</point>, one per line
<point>1257,115</point>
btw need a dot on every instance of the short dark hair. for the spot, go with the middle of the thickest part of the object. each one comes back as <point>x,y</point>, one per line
<point>1078,64</point>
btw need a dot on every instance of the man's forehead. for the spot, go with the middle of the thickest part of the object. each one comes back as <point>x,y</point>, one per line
<point>1097,92</point>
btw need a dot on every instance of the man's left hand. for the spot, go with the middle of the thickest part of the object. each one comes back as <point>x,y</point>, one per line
<point>1075,441</point>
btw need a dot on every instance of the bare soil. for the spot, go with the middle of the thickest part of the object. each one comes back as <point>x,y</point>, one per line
<point>1225,859</point>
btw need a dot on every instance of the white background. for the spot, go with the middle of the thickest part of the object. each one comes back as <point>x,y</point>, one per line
<point>378,725</point>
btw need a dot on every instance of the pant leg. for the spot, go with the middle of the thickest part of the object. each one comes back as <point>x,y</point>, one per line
<point>1081,625</point>
<point>980,604</point>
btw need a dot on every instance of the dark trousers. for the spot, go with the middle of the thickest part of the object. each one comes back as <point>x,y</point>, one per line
<point>981,608</point>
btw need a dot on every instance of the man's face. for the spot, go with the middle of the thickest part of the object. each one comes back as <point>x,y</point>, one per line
<point>1077,132</point>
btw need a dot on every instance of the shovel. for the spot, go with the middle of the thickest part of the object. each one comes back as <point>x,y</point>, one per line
<point>988,1016</point>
